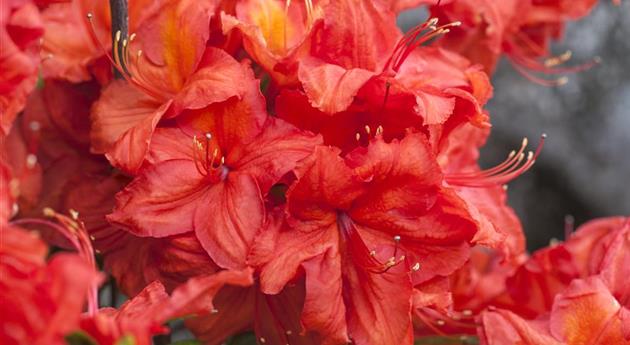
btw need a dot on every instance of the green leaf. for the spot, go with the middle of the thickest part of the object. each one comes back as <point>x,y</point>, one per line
<point>447,340</point>
<point>79,338</point>
<point>248,338</point>
<point>126,340</point>
<point>186,342</point>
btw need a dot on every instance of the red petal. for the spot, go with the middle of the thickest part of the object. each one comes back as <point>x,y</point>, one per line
<point>123,121</point>
<point>586,313</point>
<point>357,34</point>
<point>232,214</point>
<point>162,200</point>
<point>175,40</point>
<point>234,312</point>
<point>379,306</point>
<point>503,327</point>
<point>324,307</point>
<point>196,295</point>
<point>331,88</point>
<point>273,153</point>
<point>213,82</point>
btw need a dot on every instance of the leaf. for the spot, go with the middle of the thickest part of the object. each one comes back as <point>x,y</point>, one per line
<point>79,338</point>
<point>248,338</point>
<point>187,342</point>
<point>126,340</point>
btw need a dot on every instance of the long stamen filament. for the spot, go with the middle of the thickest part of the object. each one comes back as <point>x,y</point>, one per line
<point>502,173</point>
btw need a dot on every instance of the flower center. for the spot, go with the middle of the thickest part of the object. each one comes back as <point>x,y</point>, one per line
<point>376,260</point>
<point>212,166</point>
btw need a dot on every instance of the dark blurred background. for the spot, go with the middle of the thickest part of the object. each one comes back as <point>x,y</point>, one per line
<point>584,170</point>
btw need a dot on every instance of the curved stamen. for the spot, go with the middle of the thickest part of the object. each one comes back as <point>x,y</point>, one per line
<point>121,62</point>
<point>204,162</point>
<point>75,232</point>
<point>414,38</point>
<point>502,173</point>
<point>525,64</point>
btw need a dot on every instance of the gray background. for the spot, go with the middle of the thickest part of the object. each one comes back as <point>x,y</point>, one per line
<point>584,170</point>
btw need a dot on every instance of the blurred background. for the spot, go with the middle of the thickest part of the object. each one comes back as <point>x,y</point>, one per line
<point>584,170</point>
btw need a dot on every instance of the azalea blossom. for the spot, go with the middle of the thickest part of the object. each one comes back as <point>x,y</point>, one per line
<point>284,171</point>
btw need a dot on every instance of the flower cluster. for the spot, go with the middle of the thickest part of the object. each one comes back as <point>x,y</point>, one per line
<point>300,170</point>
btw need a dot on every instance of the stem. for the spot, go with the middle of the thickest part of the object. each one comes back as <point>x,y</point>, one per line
<point>120,22</point>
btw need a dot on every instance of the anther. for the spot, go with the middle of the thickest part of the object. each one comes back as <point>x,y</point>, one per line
<point>440,322</point>
<point>118,34</point>
<point>74,214</point>
<point>288,332</point>
<point>415,267</point>
<point>397,238</point>
<point>208,136</point>
<point>31,161</point>
<point>34,126</point>
<point>89,16</point>
<point>214,311</point>
<point>357,136</point>
<point>467,312</point>
<point>367,129</point>
<point>379,130</point>
<point>373,253</point>
<point>262,340</point>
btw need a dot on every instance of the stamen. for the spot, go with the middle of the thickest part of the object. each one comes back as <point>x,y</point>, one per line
<point>75,232</point>
<point>415,267</point>
<point>31,161</point>
<point>379,130</point>
<point>502,173</point>
<point>34,126</point>
<point>121,62</point>
<point>415,38</point>
<point>525,64</point>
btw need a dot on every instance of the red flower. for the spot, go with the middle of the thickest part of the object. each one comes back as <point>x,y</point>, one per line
<point>584,313</point>
<point>522,30</point>
<point>357,226</point>
<point>40,302</point>
<point>20,31</point>
<point>144,315</point>
<point>168,69</point>
<point>276,34</point>
<point>214,186</point>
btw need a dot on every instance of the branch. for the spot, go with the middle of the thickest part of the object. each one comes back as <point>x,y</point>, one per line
<point>120,22</point>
